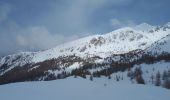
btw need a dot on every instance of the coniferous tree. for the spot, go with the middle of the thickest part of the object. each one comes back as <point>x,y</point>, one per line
<point>152,79</point>
<point>109,77</point>
<point>91,77</point>
<point>117,78</point>
<point>158,81</point>
<point>165,75</point>
<point>167,83</point>
<point>140,79</point>
<point>130,74</point>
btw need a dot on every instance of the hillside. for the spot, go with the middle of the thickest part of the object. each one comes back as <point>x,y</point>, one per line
<point>120,51</point>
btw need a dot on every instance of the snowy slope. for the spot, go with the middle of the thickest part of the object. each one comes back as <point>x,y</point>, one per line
<point>80,89</point>
<point>160,46</point>
<point>117,42</point>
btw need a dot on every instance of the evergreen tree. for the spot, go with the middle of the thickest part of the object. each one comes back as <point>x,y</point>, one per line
<point>152,79</point>
<point>167,83</point>
<point>109,77</point>
<point>165,75</point>
<point>140,80</point>
<point>91,77</point>
<point>117,78</point>
<point>158,81</point>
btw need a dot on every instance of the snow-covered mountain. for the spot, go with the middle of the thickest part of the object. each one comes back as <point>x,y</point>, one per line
<point>119,41</point>
<point>144,27</point>
<point>118,50</point>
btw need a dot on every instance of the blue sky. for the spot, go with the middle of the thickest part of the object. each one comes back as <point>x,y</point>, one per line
<point>29,25</point>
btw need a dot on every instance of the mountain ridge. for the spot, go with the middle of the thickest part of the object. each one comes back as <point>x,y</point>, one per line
<point>118,50</point>
<point>98,40</point>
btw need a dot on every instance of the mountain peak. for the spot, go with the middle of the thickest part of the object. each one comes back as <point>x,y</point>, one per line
<point>168,24</point>
<point>144,27</point>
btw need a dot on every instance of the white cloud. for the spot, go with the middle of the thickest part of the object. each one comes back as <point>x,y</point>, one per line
<point>14,38</point>
<point>115,23</point>
<point>73,17</point>
<point>39,38</point>
<point>32,38</point>
<point>21,40</point>
<point>78,15</point>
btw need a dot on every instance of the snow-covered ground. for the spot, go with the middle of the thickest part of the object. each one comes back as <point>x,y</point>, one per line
<point>81,89</point>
